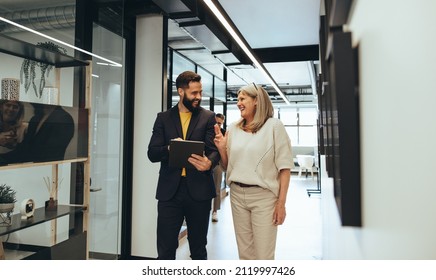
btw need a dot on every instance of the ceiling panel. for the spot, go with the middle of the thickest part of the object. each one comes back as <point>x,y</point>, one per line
<point>204,35</point>
<point>296,74</point>
<point>277,23</point>
<point>226,58</point>
<point>172,6</point>
<point>279,27</point>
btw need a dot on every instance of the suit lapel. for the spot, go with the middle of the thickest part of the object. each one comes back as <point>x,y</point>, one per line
<point>176,120</point>
<point>193,123</point>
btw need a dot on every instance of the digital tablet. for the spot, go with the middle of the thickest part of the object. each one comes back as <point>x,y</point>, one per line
<point>181,150</point>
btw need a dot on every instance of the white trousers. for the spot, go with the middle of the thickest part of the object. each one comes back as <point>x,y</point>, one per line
<point>252,210</point>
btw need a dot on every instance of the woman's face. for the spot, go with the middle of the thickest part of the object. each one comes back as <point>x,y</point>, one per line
<point>10,111</point>
<point>247,106</point>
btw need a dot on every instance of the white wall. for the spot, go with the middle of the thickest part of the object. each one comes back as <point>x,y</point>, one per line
<point>396,64</point>
<point>148,90</point>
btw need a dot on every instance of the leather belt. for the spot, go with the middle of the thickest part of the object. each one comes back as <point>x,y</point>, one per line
<point>242,185</point>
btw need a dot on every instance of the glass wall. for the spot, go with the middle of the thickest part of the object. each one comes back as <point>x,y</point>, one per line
<point>179,65</point>
<point>210,89</point>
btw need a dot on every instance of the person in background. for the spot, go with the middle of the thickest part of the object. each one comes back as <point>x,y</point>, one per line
<point>218,174</point>
<point>256,153</point>
<point>184,193</point>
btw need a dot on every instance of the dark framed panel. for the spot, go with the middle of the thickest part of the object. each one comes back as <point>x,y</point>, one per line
<point>344,124</point>
<point>44,133</point>
<point>339,11</point>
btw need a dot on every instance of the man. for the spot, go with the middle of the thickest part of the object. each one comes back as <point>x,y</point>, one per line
<point>184,193</point>
<point>218,174</point>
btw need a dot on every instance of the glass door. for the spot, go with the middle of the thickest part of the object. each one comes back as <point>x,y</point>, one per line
<point>106,147</point>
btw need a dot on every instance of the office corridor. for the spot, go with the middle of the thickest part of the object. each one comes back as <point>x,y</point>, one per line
<point>299,238</point>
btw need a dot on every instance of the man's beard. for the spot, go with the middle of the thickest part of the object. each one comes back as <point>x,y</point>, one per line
<point>189,104</point>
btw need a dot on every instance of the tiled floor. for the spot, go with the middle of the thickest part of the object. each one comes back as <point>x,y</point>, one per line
<point>299,238</point>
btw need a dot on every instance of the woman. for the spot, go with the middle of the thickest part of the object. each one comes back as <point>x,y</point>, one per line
<point>12,127</point>
<point>256,152</point>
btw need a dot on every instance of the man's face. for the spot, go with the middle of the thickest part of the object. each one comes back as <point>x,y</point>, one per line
<point>191,96</point>
<point>219,121</point>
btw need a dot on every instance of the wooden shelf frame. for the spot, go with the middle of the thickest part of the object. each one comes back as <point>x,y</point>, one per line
<point>19,48</point>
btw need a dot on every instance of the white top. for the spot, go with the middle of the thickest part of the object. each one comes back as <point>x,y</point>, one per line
<point>257,158</point>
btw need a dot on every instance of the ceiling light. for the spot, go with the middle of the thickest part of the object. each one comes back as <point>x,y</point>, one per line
<point>244,47</point>
<point>60,42</point>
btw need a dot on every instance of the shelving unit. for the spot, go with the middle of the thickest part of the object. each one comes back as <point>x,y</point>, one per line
<point>71,248</point>
<point>26,50</point>
<point>40,216</point>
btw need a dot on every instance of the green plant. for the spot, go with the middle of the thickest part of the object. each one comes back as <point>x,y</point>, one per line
<point>7,194</point>
<point>28,69</point>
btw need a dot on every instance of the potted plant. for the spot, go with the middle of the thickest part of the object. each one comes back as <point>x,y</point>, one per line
<point>28,69</point>
<point>7,198</point>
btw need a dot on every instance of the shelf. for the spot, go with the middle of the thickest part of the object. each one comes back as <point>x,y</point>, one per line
<point>26,50</point>
<point>45,163</point>
<point>40,216</point>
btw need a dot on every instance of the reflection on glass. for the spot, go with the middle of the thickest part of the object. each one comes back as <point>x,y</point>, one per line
<point>220,89</point>
<point>12,127</point>
<point>33,132</point>
<point>206,81</point>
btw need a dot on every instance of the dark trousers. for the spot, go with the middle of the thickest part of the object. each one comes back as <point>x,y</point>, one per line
<point>170,219</point>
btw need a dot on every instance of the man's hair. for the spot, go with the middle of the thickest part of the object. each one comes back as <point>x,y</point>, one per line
<point>185,78</point>
<point>219,115</point>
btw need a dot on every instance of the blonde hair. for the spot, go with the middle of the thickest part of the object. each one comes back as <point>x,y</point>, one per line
<point>263,111</point>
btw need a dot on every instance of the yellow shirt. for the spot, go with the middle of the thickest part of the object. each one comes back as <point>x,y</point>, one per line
<point>185,119</point>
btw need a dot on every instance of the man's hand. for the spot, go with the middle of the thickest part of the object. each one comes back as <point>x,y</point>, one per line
<point>201,163</point>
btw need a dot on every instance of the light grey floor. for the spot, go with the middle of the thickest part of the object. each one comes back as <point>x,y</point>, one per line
<point>299,238</point>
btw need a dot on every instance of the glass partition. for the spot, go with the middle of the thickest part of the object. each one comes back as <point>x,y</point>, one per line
<point>220,89</point>
<point>206,81</point>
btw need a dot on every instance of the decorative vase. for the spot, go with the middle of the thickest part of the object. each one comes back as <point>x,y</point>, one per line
<point>10,89</point>
<point>51,204</point>
<point>6,213</point>
<point>50,95</point>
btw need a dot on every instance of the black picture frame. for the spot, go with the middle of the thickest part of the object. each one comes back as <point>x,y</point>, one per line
<point>344,125</point>
<point>59,137</point>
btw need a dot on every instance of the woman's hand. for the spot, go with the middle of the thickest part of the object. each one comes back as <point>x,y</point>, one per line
<point>220,140</point>
<point>279,213</point>
<point>8,139</point>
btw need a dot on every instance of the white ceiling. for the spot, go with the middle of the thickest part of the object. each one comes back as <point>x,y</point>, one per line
<point>263,24</point>
<point>275,23</point>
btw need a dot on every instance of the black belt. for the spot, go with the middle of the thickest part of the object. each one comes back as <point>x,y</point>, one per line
<point>242,185</point>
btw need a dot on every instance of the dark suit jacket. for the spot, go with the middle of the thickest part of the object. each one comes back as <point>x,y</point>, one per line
<point>201,128</point>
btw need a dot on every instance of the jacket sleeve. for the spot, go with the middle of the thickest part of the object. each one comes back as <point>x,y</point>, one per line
<point>158,147</point>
